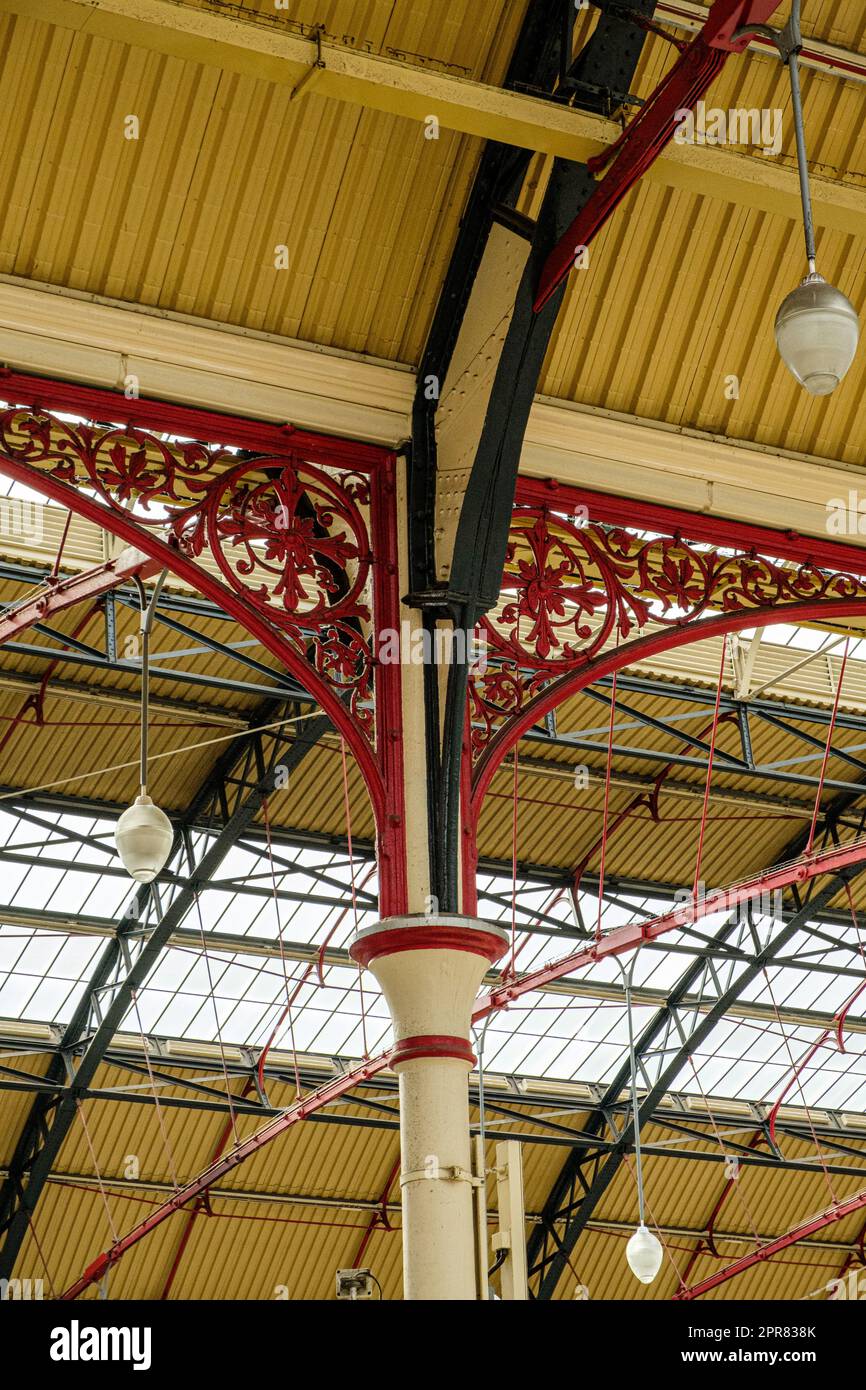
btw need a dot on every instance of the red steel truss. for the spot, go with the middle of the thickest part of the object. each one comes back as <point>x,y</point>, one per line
<point>634,934</point>
<point>79,588</point>
<point>653,128</point>
<point>837,1212</point>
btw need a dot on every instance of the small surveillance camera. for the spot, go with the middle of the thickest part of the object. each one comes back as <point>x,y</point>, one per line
<point>354,1283</point>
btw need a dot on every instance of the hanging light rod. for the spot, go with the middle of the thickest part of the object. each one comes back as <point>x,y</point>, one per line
<point>144,834</point>
<point>644,1250</point>
<point>817,328</point>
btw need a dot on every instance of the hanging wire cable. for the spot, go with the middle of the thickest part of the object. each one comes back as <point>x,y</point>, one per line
<point>710,758</point>
<point>290,995</point>
<point>644,1251</point>
<point>166,1143</point>
<point>797,1078</point>
<point>514,790</point>
<point>628,980</point>
<point>320,958</point>
<point>792,59</point>
<point>229,1094</point>
<point>829,740</point>
<point>712,1119</point>
<point>55,568</point>
<point>148,611</point>
<point>604,823</point>
<point>47,582</point>
<point>348,813</point>
<point>41,1253</point>
<point>480,1040</point>
<point>666,1245</point>
<point>843,1012</point>
<point>156,757</point>
<point>550,902</point>
<point>97,1173</point>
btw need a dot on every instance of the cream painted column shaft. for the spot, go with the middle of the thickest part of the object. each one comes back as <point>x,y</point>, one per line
<point>429,969</point>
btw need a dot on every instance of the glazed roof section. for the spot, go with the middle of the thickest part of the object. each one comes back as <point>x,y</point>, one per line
<point>205,990</point>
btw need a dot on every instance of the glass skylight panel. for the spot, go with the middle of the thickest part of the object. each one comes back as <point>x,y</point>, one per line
<point>36,886</point>
<point>39,954</point>
<point>16,991</point>
<point>550,1034</point>
<point>48,999</point>
<point>318,1031</point>
<point>173,1019</point>
<point>103,853</point>
<point>106,897</point>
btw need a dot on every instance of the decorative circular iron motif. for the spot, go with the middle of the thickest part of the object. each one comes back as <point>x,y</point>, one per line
<point>294,539</point>
<point>568,587</point>
<point>288,536</point>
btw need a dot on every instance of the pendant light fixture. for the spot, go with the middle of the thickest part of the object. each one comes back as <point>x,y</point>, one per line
<point>144,834</point>
<point>817,328</point>
<point>644,1250</point>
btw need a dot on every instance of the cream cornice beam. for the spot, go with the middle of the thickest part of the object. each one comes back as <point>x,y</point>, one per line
<point>73,336</point>
<point>823,57</point>
<point>102,343</point>
<point>683,468</point>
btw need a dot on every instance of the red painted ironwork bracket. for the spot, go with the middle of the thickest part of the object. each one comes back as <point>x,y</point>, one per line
<point>653,128</point>
<point>176,502</point>
<point>587,593</point>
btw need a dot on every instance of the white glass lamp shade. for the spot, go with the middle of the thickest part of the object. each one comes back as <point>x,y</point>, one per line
<point>143,837</point>
<point>644,1254</point>
<point>817,330</point>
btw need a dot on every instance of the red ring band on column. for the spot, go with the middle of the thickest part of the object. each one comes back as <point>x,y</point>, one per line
<point>423,938</point>
<point>432,1045</point>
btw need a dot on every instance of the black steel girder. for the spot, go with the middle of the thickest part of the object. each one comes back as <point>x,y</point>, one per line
<point>607,62</point>
<point>539,57</point>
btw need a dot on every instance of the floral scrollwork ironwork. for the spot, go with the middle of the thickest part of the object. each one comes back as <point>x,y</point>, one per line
<point>291,537</point>
<point>572,586</point>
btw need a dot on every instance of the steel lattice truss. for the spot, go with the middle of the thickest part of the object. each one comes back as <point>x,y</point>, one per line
<point>810,946</point>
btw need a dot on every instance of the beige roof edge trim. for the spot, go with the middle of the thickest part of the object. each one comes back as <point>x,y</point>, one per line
<point>60,333</point>
<point>683,468</point>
